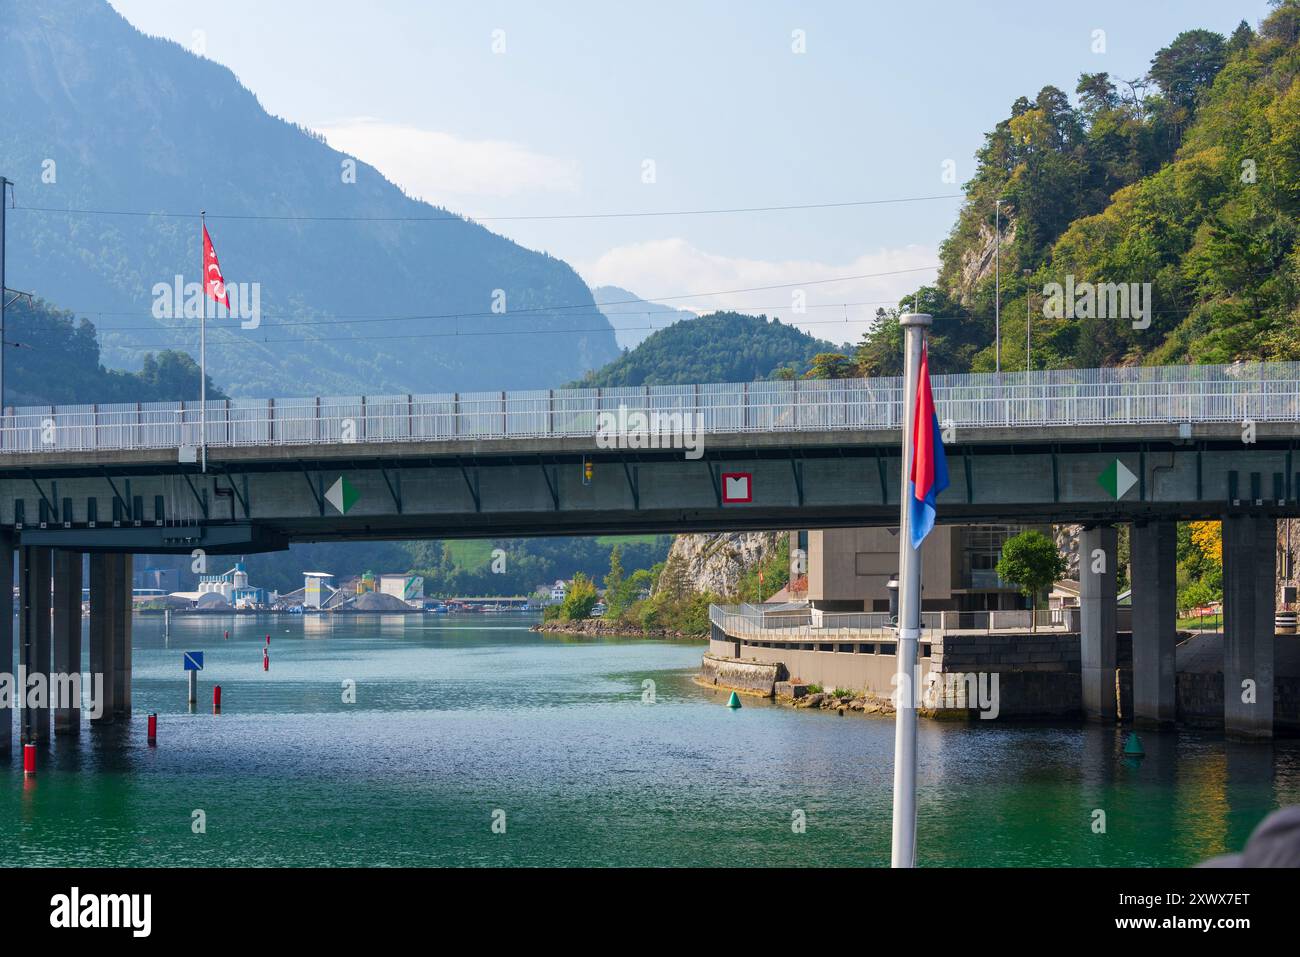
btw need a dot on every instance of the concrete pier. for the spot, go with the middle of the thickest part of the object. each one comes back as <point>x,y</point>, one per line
<point>34,638</point>
<point>1153,554</point>
<point>1098,558</point>
<point>121,565</point>
<point>102,646</point>
<point>7,636</point>
<point>1249,571</point>
<point>67,634</point>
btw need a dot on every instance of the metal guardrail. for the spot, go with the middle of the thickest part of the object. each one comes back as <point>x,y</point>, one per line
<point>1264,392</point>
<point>808,624</point>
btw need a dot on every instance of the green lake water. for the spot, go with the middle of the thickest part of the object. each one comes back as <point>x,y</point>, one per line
<point>457,719</point>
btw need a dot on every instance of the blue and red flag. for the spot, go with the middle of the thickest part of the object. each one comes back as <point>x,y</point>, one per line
<point>929,464</point>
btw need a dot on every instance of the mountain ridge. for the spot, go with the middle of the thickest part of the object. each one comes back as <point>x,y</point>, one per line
<point>140,124</point>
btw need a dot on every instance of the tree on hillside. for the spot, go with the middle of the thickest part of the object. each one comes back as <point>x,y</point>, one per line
<point>58,363</point>
<point>1241,38</point>
<point>831,365</point>
<point>955,337</point>
<point>1032,562</point>
<point>720,347</point>
<point>1283,23</point>
<point>1187,66</point>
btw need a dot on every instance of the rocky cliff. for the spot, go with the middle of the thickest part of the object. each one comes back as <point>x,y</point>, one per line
<point>715,562</point>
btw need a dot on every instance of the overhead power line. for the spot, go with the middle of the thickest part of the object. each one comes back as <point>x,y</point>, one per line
<point>452,217</point>
<point>241,340</point>
<point>533,310</point>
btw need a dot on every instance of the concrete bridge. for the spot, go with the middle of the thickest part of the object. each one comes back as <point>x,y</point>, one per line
<point>1189,442</point>
<point>1145,445</point>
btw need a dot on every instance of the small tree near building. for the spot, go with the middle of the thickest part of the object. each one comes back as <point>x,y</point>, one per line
<point>580,598</point>
<point>1032,562</point>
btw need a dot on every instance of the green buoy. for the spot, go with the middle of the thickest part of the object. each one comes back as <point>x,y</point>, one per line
<point>1133,746</point>
<point>733,701</point>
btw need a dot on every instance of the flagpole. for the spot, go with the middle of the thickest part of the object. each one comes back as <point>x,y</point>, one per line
<point>903,853</point>
<point>203,346</point>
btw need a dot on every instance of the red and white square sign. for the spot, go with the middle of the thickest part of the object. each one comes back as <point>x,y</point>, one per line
<point>737,487</point>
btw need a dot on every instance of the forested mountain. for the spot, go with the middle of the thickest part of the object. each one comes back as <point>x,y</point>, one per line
<point>633,318</point>
<point>359,291</point>
<point>53,359</point>
<point>1187,179</point>
<point>719,347</point>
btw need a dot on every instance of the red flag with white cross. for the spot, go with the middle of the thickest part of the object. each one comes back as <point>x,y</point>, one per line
<point>214,284</point>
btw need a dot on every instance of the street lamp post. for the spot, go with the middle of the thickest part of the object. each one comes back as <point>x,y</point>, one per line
<point>1028,321</point>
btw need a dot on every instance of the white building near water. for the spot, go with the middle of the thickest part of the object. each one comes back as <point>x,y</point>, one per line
<point>233,586</point>
<point>558,591</point>
<point>317,588</point>
<point>409,588</point>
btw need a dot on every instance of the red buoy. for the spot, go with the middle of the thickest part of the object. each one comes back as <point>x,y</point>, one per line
<point>266,660</point>
<point>153,728</point>
<point>268,639</point>
<point>29,760</point>
<point>216,699</point>
<point>226,635</point>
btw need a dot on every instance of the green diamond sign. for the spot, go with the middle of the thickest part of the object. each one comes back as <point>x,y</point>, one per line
<point>342,495</point>
<point>1116,479</point>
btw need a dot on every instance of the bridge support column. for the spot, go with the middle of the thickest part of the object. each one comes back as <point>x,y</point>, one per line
<point>34,640</point>
<point>7,637</point>
<point>102,598</point>
<point>1154,556</point>
<point>1098,550</point>
<point>122,565</point>
<point>1249,575</point>
<point>67,635</point>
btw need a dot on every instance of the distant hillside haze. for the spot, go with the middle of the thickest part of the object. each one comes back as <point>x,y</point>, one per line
<point>632,317</point>
<point>719,347</point>
<point>99,116</point>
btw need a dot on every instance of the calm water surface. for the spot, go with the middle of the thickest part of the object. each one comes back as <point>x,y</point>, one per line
<point>457,718</point>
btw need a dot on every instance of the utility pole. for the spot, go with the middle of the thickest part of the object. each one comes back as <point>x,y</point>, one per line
<point>997,283</point>
<point>4,197</point>
<point>203,345</point>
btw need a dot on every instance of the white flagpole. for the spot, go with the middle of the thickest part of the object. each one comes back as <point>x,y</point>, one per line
<point>203,346</point>
<point>903,853</point>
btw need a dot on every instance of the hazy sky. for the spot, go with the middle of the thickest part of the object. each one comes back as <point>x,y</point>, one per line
<point>563,115</point>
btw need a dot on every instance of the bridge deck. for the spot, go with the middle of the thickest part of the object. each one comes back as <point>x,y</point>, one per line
<point>1063,401</point>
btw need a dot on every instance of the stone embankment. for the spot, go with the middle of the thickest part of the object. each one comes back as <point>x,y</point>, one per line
<point>603,628</point>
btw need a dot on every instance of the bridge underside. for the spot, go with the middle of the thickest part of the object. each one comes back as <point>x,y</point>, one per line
<point>53,508</point>
<point>263,499</point>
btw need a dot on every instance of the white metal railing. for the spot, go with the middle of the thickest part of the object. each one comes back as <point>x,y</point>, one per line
<point>809,624</point>
<point>1264,392</point>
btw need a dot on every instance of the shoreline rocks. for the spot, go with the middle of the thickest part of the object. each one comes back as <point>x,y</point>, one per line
<point>853,702</point>
<point>601,628</point>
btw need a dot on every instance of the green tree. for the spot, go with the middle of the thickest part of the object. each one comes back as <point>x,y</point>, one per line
<point>1187,66</point>
<point>831,365</point>
<point>1032,562</point>
<point>614,597</point>
<point>579,599</point>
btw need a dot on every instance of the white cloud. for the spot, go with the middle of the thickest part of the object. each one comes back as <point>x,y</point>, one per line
<point>441,167</point>
<point>666,268</point>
